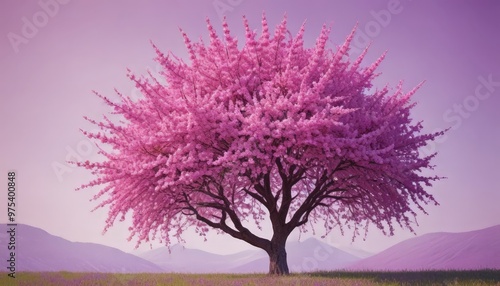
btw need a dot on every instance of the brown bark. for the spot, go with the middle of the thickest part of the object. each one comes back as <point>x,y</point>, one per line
<point>278,264</point>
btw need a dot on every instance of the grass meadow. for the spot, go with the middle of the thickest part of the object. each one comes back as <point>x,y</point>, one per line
<point>480,277</point>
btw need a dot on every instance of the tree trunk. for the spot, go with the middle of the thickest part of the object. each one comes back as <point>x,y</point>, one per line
<point>277,259</point>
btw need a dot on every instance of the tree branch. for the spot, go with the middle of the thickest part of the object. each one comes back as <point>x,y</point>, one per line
<point>240,232</point>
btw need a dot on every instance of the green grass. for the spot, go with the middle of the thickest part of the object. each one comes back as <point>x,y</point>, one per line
<point>481,277</point>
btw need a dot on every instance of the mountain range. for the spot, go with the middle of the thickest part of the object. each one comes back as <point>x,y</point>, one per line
<point>309,255</point>
<point>38,250</point>
<point>479,249</point>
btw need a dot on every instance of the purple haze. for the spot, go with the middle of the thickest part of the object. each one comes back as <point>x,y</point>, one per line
<point>49,71</point>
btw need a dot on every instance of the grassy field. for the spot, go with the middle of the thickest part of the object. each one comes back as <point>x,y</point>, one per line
<point>483,277</point>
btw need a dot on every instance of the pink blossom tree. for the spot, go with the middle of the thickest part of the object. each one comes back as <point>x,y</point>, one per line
<point>270,130</point>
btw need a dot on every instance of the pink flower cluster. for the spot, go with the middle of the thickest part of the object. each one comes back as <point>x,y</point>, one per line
<point>271,126</point>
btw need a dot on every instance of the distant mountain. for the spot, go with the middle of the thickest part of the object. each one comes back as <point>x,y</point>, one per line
<point>37,250</point>
<point>357,252</point>
<point>305,256</point>
<point>479,249</point>
<point>181,259</point>
<point>308,255</point>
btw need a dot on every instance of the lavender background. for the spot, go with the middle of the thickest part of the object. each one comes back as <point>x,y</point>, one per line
<point>47,74</point>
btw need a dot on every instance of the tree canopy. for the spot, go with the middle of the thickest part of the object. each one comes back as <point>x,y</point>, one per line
<point>271,130</point>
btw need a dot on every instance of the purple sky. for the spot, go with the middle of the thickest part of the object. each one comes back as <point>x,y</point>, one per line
<point>51,60</point>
